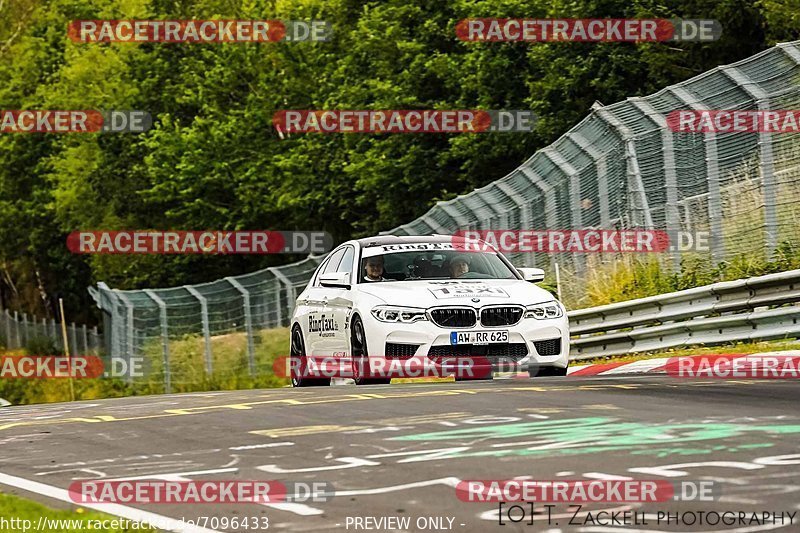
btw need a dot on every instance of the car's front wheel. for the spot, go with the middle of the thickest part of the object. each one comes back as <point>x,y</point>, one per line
<point>360,355</point>
<point>298,363</point>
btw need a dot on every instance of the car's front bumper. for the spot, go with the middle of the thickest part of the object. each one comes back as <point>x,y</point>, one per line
<point>430,339</point>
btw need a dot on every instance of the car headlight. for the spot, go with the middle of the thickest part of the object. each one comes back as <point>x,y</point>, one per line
<point>544,311</point>
<point>392,313</point>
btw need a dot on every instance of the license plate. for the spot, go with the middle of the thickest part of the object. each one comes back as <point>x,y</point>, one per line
<point>478,337</point>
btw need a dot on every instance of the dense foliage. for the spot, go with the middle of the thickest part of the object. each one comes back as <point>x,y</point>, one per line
<point>212,160</point>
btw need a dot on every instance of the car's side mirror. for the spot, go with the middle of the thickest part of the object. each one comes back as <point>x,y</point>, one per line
<point>338,280</point>
<point>534,275</point>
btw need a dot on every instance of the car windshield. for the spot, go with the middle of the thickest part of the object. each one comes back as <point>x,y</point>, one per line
<point>436,264</point>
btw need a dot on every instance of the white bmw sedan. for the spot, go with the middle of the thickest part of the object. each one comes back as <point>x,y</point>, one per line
<point>390,306</point>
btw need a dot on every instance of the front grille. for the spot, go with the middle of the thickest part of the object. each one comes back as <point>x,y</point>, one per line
<point>548,347</point>
<point>400,351</point>
<point>501,316</point>
<point>454,317</point>
<point>514,351</point>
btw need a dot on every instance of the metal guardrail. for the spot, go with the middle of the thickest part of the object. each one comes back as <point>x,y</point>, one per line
<point>752,309</point>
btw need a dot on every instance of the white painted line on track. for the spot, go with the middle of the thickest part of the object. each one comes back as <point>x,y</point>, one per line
<point>161,522</point>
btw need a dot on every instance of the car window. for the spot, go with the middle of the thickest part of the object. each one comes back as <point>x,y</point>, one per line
<point>346,264</point>
<point>320,269</point>
<point>435,265</point>
<point>333,263</point>
<point>330,265</point>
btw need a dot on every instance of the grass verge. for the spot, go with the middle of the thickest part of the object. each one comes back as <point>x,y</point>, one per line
<point>18,514</point>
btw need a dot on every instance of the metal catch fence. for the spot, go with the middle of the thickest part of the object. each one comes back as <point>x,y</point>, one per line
<point>619,168</point>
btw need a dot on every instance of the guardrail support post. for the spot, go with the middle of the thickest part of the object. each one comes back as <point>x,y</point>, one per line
<point>164,337</point>
<point>248,323</point>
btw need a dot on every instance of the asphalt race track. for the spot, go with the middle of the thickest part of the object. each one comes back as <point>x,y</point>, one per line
<point>399,450</point>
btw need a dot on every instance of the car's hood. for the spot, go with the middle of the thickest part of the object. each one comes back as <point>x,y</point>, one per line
<point>432,293</point>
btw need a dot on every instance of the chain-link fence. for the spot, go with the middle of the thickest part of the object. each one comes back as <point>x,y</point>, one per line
<point>20,331</point>
<point>183,336</point>
<point>621,167</point>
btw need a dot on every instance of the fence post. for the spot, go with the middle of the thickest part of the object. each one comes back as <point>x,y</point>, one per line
<point>712,177</point>
<point>16,328</point>
<point>460,220</point>
<point>525,220</point>
<point>248,323</point>
<point>164,337</point>
<point>601,169</point>
<point>8,329</point>
<point>73,338</point>
<point>206,327</point>
<point>550,205</point>
<point>770,194</point>
<point>85,339</point>
<point>290,294</point>
<point>637,201</point>
<point>578,259</point>
<point>54,333</point>
<point>96,343</point>
<point>129,334</point>
<point>671,209</point>
<point>435,226</point>
<point>25,329</point>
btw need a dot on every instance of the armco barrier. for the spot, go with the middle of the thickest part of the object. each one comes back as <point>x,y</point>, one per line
<point>760,308</point>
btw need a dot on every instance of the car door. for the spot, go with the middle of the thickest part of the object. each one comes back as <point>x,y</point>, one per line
<point>318,319</point>
<point>340,306</point>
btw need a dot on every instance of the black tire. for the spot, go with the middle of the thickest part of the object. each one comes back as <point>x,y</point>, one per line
<point>298,353</point>
<point>360,354</point>
<point>547,371</point>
